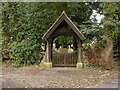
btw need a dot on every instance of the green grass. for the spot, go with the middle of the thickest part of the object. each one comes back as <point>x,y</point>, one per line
<point>95,67</point>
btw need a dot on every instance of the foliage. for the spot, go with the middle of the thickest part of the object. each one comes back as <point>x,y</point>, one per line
<point>111,24</point>
<point>62,40</point>
<point>30,21</point>
<point>117,64</point>
<point>107,29</point>
<point>25,23</point>
<point>111,11</point>
<point>95,35</point>
<point>9,32</point>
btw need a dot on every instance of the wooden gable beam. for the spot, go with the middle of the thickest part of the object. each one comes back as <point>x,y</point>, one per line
<point>62,17</point>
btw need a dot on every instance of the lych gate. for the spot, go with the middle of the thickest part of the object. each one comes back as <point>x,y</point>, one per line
<point>53,58</point>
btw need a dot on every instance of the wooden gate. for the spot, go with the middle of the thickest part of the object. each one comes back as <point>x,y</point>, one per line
<point>64,59</point>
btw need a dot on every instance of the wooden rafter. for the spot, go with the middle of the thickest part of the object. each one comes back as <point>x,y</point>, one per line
<point>62,17</point>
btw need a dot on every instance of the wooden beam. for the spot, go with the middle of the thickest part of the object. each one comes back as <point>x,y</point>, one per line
<point>63,31</point>
<point>79,50</point>
<point>49,51</point>
<point>62,17</point>
<point>65,65</point>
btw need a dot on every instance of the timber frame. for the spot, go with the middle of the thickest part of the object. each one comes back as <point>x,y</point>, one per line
<point>59,28</point>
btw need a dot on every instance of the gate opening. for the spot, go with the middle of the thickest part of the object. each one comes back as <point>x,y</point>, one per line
<point>64,51</point>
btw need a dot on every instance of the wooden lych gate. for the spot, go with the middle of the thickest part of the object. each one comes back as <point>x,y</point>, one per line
<point>53,58</point>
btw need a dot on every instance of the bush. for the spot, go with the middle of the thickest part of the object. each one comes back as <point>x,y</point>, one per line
<point>26,52</point>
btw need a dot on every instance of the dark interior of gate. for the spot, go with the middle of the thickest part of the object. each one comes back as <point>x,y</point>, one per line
<point>62,56</point>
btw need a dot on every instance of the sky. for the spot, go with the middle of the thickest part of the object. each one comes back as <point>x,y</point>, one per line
<point>97,16</point>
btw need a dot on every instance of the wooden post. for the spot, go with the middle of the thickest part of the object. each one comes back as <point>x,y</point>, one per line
<point>80,62</point>
<point>82,53</point>
<point>47,62</point>
<point>49,52</point>
<point>79,50</point>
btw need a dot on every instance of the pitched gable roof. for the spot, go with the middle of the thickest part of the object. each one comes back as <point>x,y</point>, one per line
<point>62,17</point>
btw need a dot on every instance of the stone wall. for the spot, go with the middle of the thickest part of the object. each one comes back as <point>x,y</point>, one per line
<point>102,57</point>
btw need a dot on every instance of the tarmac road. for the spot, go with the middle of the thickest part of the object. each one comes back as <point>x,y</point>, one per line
<point>50,78</point>
<point>109,84</point>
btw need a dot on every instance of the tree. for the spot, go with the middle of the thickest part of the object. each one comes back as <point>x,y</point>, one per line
<point>103,47</point>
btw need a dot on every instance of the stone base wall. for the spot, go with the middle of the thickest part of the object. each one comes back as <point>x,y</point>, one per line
<point>46,64</point>
<point>102,57</point>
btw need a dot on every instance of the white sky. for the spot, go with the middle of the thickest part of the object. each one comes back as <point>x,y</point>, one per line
<point>97,16</point>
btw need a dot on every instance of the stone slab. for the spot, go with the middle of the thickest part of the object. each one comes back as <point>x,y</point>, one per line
<point>46,64</point>
<point>79,65</point>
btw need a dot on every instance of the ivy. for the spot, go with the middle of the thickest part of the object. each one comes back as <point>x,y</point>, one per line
<point>24,23</point>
